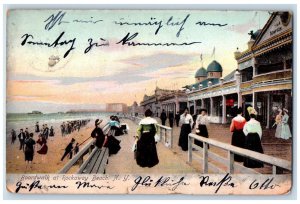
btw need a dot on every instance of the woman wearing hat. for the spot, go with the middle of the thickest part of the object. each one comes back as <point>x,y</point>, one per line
<point>29,150</point>
<point>146,154</point>
<point>278,123</point>
<point>201,126</point>
<point>98,134</point>
<point>253,133</point>
<point>238,137</point>
<point>186,121</point>
<point>285,129</point>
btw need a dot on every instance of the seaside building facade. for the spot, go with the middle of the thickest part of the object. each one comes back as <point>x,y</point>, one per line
<point>266,69</point>
<point>263,79</point>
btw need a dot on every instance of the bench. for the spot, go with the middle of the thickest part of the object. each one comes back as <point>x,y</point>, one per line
<point>96,162</point>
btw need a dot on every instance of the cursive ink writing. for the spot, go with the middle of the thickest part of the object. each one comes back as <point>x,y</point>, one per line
<point>91,20</point>
<point>127,41</point>
<point>203,23</point>
<point>35,185</point>
<point>158,24</point>
<point>267,184</point>
<point>88,185</point>
<point>161,182</point>
<point>54,44</point>
<point>95,44</point>
<point>225,181</point>
<point>53,19</point>
<point>171,23</point>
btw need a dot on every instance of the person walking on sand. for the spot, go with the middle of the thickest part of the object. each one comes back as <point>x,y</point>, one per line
<point>285,129</point>
<point>238,136</point>
<point>278,123</point>
<point>37,127</point>
<point>186,121</point>
<point>29,150</point>
<point>76,148</point>
<point>13,136</point>
<point>163,117</point>
<point>26,133</point>
<point>146,154</point>
<point>51,133</point>
<point>46,132</point>
<point>21,137</point>
<point>68,150</point>
<point>253,132</point>
<point>43,148</point>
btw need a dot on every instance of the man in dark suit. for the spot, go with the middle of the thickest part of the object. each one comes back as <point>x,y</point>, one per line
<point>21,137</point>
<point>163,117</point>
<point>171,118</point>
<point>177,118</point>
<point>68,150</point>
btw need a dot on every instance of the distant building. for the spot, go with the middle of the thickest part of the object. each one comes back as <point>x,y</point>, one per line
<point>116,108</point>
<point>169,100</point>
<point>135,109</point>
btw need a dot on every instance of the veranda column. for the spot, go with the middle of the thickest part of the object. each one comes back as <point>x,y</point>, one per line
<point>223,109</point>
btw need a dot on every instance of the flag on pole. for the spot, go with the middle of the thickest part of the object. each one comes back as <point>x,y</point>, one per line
<point>201,57</point>
<point>214,52</point>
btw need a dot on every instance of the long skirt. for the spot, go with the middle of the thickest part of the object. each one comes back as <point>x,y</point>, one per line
<point>238,140</point>
<point>183,138</point>
<point>113,145</point>
<point>202,132</point>
<point>146,154</point>
<point>253,143</point>
<point>278,130</point>
<point>28,155</point>
<point>285,132</point>
<point>118,131</point>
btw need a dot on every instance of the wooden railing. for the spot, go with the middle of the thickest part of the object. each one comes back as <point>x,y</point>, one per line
<point>78,158</point>
<point>165,132</point>
<point>277,164</point>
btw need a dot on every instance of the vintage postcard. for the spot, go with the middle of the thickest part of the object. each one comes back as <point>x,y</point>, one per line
<point>149,101</point>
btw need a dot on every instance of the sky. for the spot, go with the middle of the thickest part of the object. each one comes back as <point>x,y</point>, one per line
<point>115,73</point>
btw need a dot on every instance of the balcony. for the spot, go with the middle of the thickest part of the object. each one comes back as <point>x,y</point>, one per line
<point>282,74</point>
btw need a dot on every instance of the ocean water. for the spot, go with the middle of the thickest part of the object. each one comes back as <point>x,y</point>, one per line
<point>17,121</point>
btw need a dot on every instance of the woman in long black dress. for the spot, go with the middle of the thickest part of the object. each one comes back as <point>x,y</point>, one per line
<point>146,154</point>
<point>253,133</point>
<point>29,150</point>
<point>238,136</point>
<point>43,147</point>
<point>201,126</point>
<point>186,121</point>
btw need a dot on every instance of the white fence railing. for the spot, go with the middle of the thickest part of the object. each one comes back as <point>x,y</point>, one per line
<point>278,165</point>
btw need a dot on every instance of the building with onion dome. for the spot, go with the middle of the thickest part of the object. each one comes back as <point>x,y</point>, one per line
<point>219,96</point>
<point>201,74</point>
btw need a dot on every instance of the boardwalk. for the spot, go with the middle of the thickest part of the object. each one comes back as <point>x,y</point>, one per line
<point>124,161</point>
<point>175,161</point>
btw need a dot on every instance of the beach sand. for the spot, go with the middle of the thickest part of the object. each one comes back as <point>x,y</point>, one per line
<point>15,159</point>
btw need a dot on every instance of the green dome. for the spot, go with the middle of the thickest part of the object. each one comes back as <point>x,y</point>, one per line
<point>201,72</point>
<point>214,66</point>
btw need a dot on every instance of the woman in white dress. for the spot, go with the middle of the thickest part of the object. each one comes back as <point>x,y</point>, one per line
<point>186,121</point>
<point>253,132</point>
<point>285,129</point>
<point>278,124</point>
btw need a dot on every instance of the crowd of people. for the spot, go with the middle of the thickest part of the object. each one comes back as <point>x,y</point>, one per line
<point>245,134</point>
<point>71,126</point>
<point>29,146</point>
